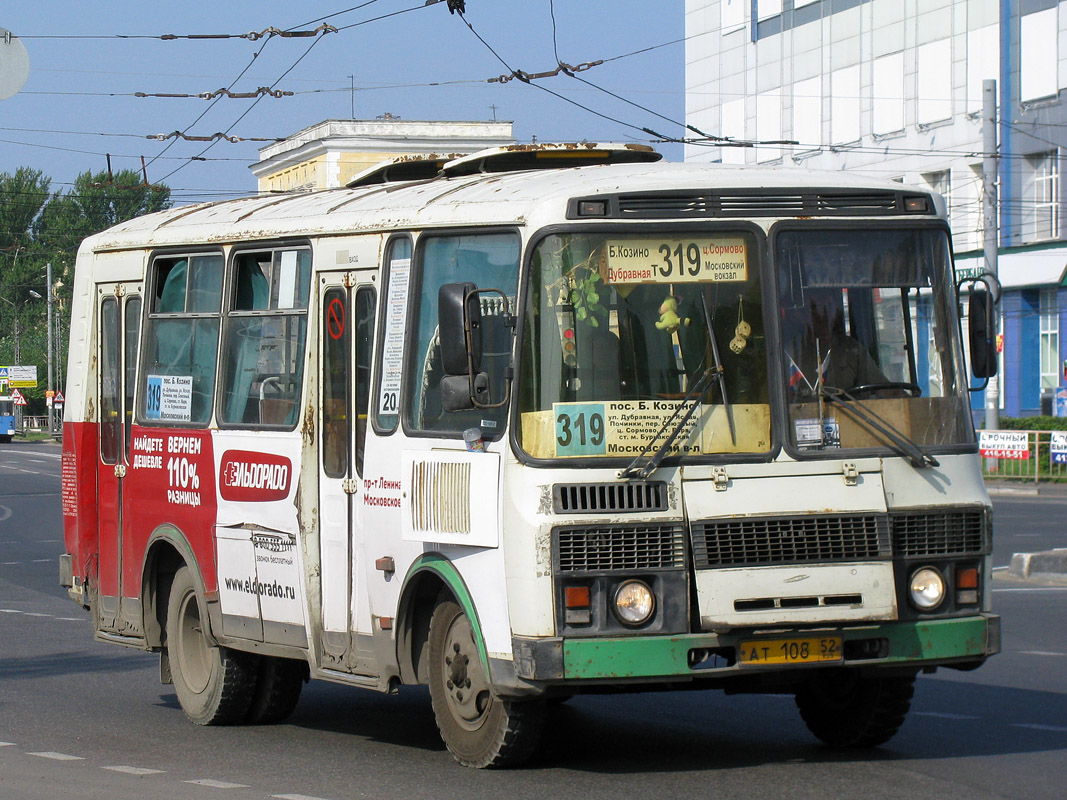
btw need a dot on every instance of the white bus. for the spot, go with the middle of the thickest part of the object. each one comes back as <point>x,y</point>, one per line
<point>529,423</point>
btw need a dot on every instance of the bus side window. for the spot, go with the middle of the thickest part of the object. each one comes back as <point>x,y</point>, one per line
<point>181,339</point>
<point>490,260</point>
<point>132,329</point>
<point>397,268</point>
<point>266,331</point>
<point>365,302</point>
<point>110,382</point>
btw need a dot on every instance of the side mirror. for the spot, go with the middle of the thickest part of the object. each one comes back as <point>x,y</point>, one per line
<point>461,334</point>
<point>459,320</point>
<point>982,338</point>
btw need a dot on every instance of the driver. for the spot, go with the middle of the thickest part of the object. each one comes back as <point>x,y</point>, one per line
<point>821,345</point>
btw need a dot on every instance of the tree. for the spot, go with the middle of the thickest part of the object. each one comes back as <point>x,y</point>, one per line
<point>38,227</point>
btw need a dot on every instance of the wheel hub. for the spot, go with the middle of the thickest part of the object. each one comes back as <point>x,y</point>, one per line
<point>467,689</point>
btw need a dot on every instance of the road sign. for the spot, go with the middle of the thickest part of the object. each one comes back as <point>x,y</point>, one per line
<point>16,395</point>
<point>58,399</point>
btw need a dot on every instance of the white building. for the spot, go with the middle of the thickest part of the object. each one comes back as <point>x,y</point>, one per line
<point>894,88</point>
<point>326,155</point>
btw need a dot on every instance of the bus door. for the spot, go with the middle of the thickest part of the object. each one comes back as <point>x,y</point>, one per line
<point>346,321</point>
<point>120,320</point>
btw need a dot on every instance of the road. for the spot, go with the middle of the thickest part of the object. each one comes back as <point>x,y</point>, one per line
<point>86,720</point>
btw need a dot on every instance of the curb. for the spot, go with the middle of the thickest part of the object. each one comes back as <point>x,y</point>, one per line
<point>1049,562</point>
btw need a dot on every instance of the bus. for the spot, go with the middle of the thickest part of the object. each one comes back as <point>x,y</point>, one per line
<point>7,418</point>
<point>529,423</point>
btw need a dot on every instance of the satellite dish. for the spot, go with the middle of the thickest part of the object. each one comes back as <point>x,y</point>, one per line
<point>14,64</point>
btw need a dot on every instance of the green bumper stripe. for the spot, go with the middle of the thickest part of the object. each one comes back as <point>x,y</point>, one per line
<point>666,656</point>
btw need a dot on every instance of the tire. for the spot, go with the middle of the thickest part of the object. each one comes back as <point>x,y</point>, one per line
<point>479,728</point>
<point>278,686</point>
<point>214,684</point>
<point>845,709</point>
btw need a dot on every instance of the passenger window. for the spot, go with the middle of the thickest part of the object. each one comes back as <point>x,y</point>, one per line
<point>181,339</point>
<point>490,261</point>
<point>394,325</point>
<point>266,332</point>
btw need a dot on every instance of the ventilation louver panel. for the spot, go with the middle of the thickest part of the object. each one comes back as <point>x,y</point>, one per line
<point>757,541</point>
<point>948,532</point>
<point>757,204</point>
<point>609,498</point>
<point>607,548</point>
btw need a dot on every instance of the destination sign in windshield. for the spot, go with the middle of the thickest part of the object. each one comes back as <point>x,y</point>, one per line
<point>720,259</point>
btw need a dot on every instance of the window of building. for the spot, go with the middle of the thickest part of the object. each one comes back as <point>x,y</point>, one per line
<point>489,260</point>
<point>934,82</point>
<point>1044,212</point>
<point>768,8</point>
<point>1050,339</point>
<point>983,61</point>
<point>845,105</point>
<point>733,126</point>
<point>888,89</point>
<point>769,124</point>
<point>732,15</point>
<point>266,330</point>
<point>181,339</point>
<point>1038,55</point>
<point>807,113</point>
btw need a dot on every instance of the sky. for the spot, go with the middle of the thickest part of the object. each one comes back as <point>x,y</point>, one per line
<point>419,62</point>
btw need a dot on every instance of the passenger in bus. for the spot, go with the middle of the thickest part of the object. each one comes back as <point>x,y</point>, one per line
<point>819,350</point>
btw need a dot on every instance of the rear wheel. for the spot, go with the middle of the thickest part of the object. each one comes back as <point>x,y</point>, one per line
<point>278,686</point>
<point>479,728</point>
<point>846,709</point>
<point>214,684</point>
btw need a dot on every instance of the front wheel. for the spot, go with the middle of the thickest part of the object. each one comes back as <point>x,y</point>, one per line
<point>846,709</point>
<point>214,684</point>
<point>479,728</point>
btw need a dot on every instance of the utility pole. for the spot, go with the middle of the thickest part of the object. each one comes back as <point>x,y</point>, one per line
<point>990,231</point>
<point>352,93</point>
<point>51,373</point>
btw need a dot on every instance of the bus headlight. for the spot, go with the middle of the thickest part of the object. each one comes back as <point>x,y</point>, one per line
<point>926,589</point>
<point>634,603</point>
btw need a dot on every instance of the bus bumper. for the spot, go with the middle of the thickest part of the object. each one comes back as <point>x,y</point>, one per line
<point>965,642</point>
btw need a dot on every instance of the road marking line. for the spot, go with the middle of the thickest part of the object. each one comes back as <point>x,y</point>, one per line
<point>136,770</point>
<point>217,784</point>
<point>36,614</point>
<point>70,619</point>
<point>296,797</point>
<point>57,756</point>
<point>1041,653</point>
<point>1037,727</point>
<point>944,715</point>
<point>1036,589</point>
<point>9,610</point>
<point>9,563</point>
<point>42,561</point>
<point>7,744</point>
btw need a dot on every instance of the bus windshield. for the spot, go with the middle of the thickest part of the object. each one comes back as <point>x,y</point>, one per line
<point>868,327</point>
<point>624,333</point>
<point>623,329</point>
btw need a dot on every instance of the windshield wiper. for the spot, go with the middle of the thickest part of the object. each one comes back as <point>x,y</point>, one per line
<point>696,394</point>
<point>907,447</point>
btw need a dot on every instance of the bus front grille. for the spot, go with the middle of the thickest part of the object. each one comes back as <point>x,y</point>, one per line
<point>958,531</point>
<point>599,548</point>
<point>601,498</point>
<point>755,541</point>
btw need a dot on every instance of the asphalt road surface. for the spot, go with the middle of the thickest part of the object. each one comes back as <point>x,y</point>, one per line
<point>86,720</point>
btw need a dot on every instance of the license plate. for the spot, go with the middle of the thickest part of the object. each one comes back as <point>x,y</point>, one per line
<point>801,650</point>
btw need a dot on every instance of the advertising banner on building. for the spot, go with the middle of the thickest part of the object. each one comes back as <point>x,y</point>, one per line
<point>1004,444</point>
